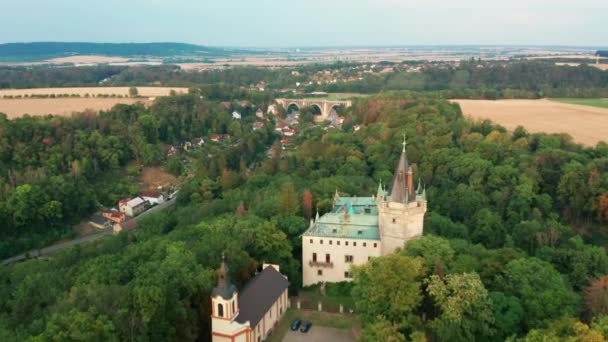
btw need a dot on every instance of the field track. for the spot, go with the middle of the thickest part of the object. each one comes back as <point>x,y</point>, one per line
<point>587,125</point>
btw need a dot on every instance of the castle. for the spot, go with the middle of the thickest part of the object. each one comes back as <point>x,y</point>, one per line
<point>360,228</point>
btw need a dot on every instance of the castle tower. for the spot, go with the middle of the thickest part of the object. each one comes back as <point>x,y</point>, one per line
<point>401,214</point>
<point>224,298</point>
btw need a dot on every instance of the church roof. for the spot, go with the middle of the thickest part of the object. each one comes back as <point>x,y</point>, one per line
<point>260,294</point>
<point>352,218</point>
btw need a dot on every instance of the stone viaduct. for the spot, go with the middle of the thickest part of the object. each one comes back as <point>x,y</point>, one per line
<point>325,106</point>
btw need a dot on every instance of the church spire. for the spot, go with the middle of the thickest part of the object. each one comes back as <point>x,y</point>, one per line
<point>224,287</point>
<point>380,193</point>
<point>399,187</point>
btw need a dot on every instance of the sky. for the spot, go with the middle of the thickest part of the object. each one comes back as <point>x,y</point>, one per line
<point>309,23</point>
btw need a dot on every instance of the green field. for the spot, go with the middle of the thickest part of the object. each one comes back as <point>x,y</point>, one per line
<point>602,103</point>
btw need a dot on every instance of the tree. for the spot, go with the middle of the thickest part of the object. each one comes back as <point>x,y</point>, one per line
<point>596,297</point>
<point>508,314</point>
<point>381,330</point>
<point>307,204</point>
<point>466,309</point>
<point>133,92</point>
<point>543,292</point>
<point>376,293</point>
<point>78,326</point>
<point>431,248</point>
<point>565,329</point>
<point>288,199</point>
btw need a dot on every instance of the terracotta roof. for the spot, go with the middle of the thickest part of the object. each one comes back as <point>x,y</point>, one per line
<point>260,294</point>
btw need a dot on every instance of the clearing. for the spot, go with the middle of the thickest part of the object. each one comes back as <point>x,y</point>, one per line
<point>155,177</point>
<point>325,327</point>
<point>587,125</point>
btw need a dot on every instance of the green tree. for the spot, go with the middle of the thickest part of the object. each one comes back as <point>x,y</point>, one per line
<point>376,291</point>
<point>381,330</point>
<point>288,199</point>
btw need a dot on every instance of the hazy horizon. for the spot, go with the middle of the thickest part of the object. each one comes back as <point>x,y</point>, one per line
<point>313,23</point>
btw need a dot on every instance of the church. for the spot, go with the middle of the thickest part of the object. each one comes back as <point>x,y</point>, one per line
<point>250,316</point>
<point>360,228</point>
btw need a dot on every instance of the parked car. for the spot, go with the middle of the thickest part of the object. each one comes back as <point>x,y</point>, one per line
<point>295,325</point>
<point>305,327</point>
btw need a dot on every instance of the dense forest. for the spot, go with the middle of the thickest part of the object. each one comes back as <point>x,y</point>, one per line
<point>54,171</point>
<point>514,244</point>
<point>468,79</point>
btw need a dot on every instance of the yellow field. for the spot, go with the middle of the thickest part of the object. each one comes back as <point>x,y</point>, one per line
<point>124,91</point>
<point>587,125</point>
<point>15,108</point>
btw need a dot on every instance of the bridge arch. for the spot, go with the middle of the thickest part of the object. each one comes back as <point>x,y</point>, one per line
<point>292,105</point>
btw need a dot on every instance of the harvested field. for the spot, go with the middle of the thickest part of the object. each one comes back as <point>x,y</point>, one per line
<point>93,91</point>
<point>87,59</point>
<point>15,108</point>
<point>587,125</point>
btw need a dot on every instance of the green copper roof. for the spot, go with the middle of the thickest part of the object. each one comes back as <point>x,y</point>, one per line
<point>349,219</point>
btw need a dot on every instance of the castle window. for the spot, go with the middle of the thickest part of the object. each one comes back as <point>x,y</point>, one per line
<point>346,243</point>
<point>360,232</point>
<point>327,258</point>
<point>348,275</point>
<point>365,244</point>
<point>354,244</point>
<point>368,211</point>
<point>320,272</point>
<point>338,242</point>
<point>375,245</point>
<point>321,241</point>
<point>314,257</point>
<point>334,230</point>
<point>394,220</point>
<point>348,258</point>
<point>233,310</point>
<point>220,310</point>
<point>311,241</point>
<point>369,258</point>
<point>330,242</point>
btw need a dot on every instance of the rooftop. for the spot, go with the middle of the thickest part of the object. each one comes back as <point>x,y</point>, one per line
<point>260,294</point>
<point>351,217</point>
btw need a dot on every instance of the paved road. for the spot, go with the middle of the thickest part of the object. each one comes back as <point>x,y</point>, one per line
<point>81,240</point>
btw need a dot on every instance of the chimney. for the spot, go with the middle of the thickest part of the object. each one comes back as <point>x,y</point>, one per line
<point>410,182</point>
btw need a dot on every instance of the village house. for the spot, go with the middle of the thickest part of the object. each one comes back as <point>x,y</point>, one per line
<point>258,125</point>
<point>124,226</point>
<point>169,150</point>
<point>132,207</point>
<point>198,142</point>
<point>99,222</point>
<point>360,228</point>
<point>153,197</point>
<point>259,113</point>
<point>114,215</point>
<point>252,314</point>
<point>236,115</point>
<point>288,132</point>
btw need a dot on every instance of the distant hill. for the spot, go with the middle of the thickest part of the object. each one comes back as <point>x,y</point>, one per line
<point>602,53</point>
<point>29,52</point>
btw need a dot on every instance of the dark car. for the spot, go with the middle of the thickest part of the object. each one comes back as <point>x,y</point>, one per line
<point>295,324</point>
<point>305,327</point>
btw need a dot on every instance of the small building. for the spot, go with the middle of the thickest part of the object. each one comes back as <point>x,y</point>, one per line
<point>132,207</point>
<point>251,315</point>
<point>99,222</point>
<point>198,142</point>
<point>216,137</point>
<point>114,215</point>
<point>259,113</point>
<point>289,132</point>
<point>236,115</point>
<point>258,125</point>
<point>153,197</point>
<point>169,150</point>
<point>126,226</point>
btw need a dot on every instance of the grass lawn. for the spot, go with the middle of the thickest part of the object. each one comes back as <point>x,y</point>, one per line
<point>323,319</point>
<point>602,103</point>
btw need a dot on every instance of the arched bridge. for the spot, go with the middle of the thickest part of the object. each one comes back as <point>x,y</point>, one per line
<point>325,106</point>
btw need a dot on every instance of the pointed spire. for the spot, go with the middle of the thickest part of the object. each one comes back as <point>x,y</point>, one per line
<point>404,143</point>
<point>336,195</point>
<point>424,193</point>
<point>380,193</point>
<point>399,186</point>
<point>312,223</point>
<point>317,216</point>
<point>419,186</point>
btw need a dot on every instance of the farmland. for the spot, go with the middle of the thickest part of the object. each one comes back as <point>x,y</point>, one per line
<point>602,103</point>
<point>91,91</point>
<point>586,124</point>
<point>65,101</point>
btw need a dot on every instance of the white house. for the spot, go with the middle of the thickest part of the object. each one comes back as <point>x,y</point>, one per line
<point>132,207</point>
<point>153,197</point>
<point>236,115</point>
